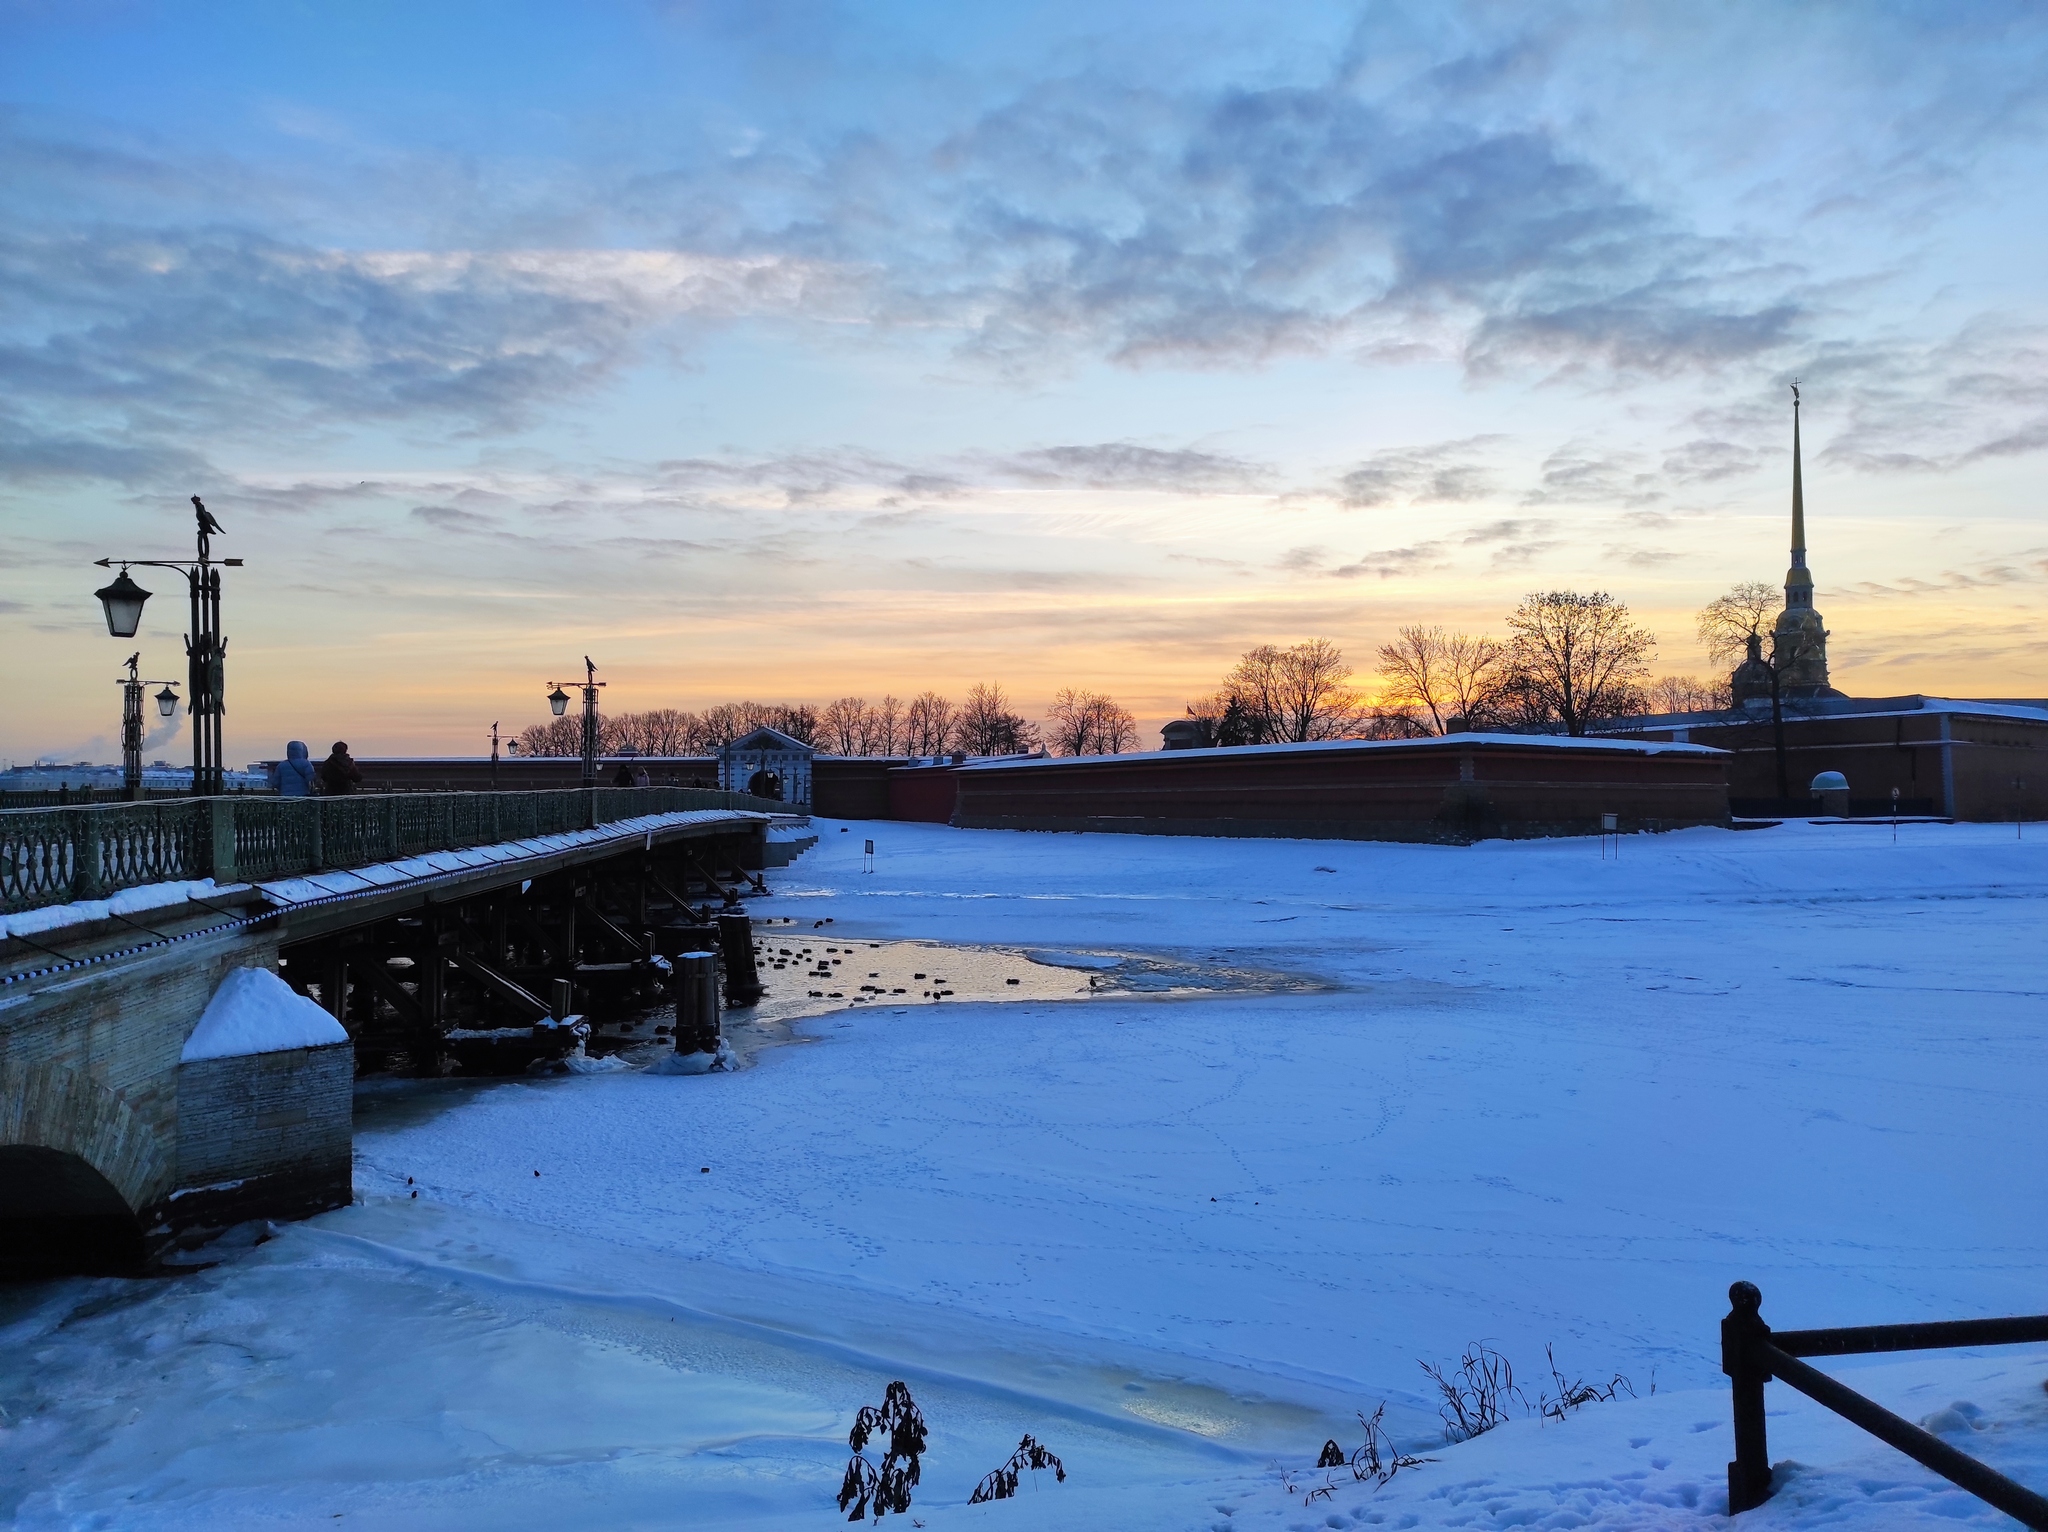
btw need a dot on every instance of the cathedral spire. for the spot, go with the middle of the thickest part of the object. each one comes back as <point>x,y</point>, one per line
<point>1798,583</point>
<point>1798,492</point>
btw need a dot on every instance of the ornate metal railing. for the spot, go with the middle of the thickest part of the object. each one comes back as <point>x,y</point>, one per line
<point>56,855</point>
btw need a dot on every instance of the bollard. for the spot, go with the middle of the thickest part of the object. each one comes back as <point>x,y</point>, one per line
<point>696,1002</point>
<point>736,941</point>
<point>1749,1476</point>
<point>671,941</point>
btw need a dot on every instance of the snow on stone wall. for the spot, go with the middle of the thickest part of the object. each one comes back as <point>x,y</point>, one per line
<point>254,1011</point>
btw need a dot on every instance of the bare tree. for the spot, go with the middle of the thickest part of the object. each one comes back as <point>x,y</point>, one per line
<point>1115,729</point>
<point>1729,622</point>
<point>723,724</point>
<point>1088,723</point>
<point>799,722</point>
<point>1444,676</point>
<point>1316,700</point>
<point>558,736</point>
<point>1392,723</point>
<point>1255,686</point>
<point>928,724</point>
<point>987,725</point>
<point>658,731</point>
<point>1738,624</point>
<point>1576,660</point>
<point>1686,694</point>
<point>843,726</point>
<point>881,727</point>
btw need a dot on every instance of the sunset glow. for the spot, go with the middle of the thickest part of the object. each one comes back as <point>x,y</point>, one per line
<point>788,352</point>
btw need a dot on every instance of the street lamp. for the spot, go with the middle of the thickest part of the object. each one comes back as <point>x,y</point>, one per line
<point>131,720</point>
<point>123,599</point>
<point>205,648</point>
<point>559,701</point>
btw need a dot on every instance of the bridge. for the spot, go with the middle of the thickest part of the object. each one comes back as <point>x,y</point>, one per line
<point>442,931</point>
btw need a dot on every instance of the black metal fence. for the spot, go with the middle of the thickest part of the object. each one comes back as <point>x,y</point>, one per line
<point>1752,1354</point>
<point>55,855</point>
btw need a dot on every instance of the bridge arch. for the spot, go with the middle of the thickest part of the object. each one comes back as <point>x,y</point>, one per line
<point>60,1216</point>
<point>76,1166</point>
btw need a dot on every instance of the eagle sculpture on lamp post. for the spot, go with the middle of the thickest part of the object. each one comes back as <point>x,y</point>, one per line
<point>208,527</point>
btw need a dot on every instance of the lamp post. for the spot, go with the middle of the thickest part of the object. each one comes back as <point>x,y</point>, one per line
<point>558,702</point>
<point>205,648</point>
<point>494,755</point>
<point>131,721</point>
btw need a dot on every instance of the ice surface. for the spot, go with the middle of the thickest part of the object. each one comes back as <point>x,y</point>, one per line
<point>254,1011</point>
<point>1535,1096</point>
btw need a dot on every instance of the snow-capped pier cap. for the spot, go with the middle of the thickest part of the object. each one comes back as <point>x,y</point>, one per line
<point>254,1011</point>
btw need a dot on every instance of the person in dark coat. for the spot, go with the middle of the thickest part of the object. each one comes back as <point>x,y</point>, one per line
<point>339,773</point>
<point>624,777</point>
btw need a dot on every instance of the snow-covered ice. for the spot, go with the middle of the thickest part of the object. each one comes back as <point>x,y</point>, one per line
<point>254,1011</point>
<point>1534,1096</point>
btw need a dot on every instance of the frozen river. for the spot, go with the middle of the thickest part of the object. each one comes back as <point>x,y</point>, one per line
<point>1511,1092</point>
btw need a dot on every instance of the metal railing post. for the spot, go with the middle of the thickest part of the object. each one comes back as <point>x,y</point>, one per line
<point>1742,1332</point>
<point>221,864</point>
<point>87,880</point>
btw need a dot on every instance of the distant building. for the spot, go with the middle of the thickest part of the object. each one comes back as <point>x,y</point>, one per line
<point>769,764</point>
<point>157,777</point>
<point>1957,757</point>
<point>1953,756</point>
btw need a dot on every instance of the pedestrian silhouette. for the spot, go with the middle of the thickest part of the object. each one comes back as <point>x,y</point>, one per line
<point>339,773</point>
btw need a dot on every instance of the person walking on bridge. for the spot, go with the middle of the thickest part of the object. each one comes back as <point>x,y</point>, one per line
<point>339,773</point>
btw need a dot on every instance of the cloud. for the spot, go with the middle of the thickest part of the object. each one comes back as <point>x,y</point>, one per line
<point>1245,224</point>
<point>1393,563</point>
<point>1125,465</point>
<point>2024,568</point>
<point>1708,461</point>
<point>1637,557</point>
<point>1577,474</point>
<point>1437,473</point>
<point>446,518</point>
<point>1511,529</point>
<point>157,335</point>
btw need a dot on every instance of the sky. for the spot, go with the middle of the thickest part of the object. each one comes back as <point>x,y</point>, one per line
<point>790,351</point>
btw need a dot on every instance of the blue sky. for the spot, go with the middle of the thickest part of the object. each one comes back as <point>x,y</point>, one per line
<point>798,350</point>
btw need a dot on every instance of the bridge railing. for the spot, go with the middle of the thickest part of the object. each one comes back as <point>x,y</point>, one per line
<point>56,855</point>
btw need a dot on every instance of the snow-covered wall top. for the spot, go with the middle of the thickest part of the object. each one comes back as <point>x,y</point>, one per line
<point>254,1011</point>
<point>1434,742</point>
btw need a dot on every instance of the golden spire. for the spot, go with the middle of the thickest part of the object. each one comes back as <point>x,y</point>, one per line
<point>1798,583</point>
<point>1798,493</point>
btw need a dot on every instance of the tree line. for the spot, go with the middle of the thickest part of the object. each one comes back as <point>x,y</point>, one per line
<point>1570,663</point>
<point>929,724</point>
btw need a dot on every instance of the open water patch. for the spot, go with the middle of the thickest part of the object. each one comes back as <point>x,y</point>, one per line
<point>807,977</point>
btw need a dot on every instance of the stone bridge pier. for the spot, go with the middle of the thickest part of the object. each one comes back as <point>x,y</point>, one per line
<point>427,924</point>
<point>111,1147</point>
